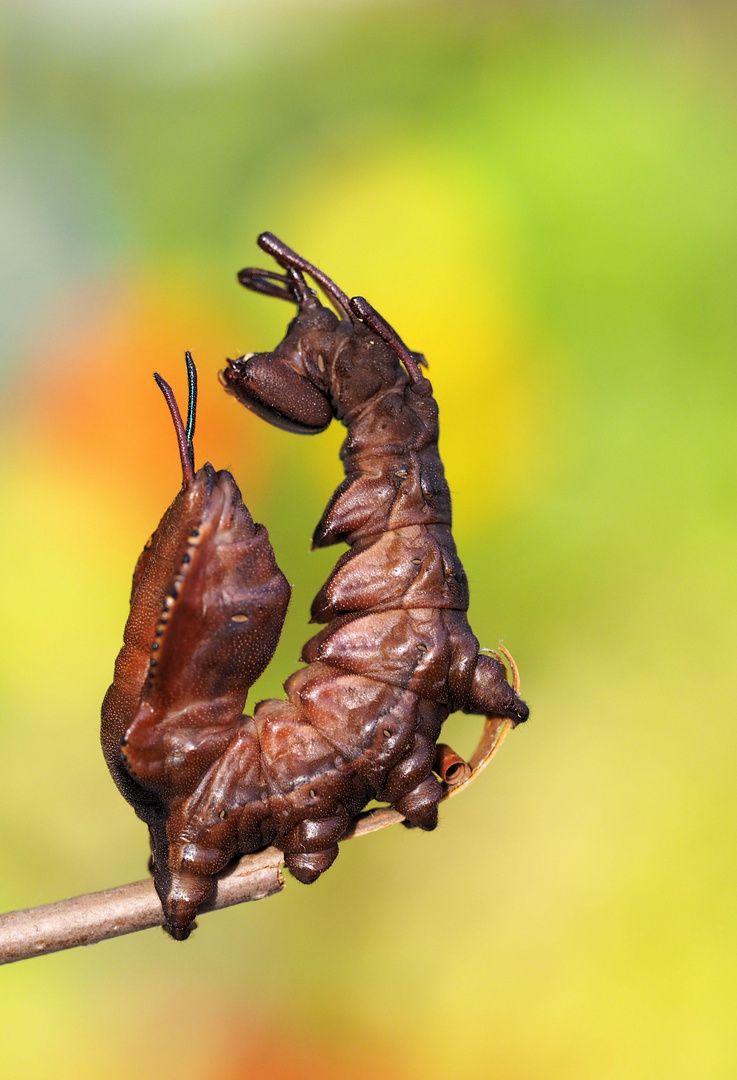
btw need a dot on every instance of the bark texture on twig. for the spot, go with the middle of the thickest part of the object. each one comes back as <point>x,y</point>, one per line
<point>93,917</point>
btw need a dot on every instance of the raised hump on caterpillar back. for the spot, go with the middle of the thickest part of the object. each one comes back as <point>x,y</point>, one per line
<point>397,654</point>
<point>207,607</point>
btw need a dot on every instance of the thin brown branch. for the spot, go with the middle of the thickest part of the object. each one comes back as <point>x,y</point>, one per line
<point>93,917</point>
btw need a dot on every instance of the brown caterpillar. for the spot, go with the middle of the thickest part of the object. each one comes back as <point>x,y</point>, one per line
<point>361,721</point>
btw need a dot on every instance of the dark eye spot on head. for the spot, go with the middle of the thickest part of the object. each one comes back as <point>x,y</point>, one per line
<point>185,558</point>
<point>155,646</point>
<point>153,663</point>
<point>195,533</point>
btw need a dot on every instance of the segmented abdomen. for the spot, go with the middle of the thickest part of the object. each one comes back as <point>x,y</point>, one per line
<point>362,719</point>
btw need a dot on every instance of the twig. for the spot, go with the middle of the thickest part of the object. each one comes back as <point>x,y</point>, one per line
<point>93,917</point>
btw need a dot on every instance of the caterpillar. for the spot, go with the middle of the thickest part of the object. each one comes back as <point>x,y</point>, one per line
<point>361,720</point>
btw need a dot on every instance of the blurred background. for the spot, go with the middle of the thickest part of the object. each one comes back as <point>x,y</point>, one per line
<point>541,197</point>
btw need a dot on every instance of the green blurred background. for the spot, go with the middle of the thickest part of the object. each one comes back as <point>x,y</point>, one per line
<point>541,197</point>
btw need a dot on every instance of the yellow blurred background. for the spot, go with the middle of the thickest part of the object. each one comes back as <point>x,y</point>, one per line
<point>541,197</point>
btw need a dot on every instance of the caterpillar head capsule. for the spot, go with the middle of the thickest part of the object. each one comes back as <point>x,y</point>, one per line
<point>328,364</point>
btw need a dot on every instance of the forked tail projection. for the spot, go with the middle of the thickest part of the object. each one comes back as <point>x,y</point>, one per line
<point>207,607</point>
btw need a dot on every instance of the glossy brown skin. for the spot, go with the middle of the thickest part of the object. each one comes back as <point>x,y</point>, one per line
<point>397,655</point>
<point>207,607</point>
